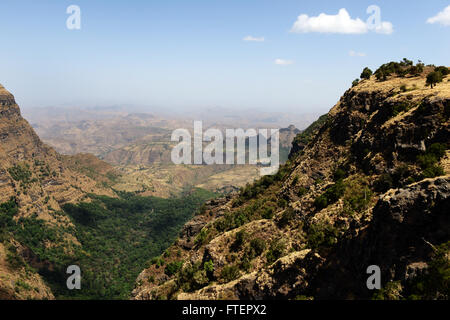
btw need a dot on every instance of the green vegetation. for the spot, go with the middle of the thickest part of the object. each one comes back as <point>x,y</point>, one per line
<point>173,267</point>
<point>236,218</point>
<point>357,195</point>
<point>401,176</point>
<point>355,83</point>
<point>192,277</point>
<point>257,247</point>
<point>433,78</point>
<point>391,291</point>
<point>443,70</point>
<point>229,273</point>
<point>428,161</point>
<point>118,237</point>
<point>240,237</point>
<point>400,107</point>
<point>435,283</point>
<point>276,250</point>
<point>400,69</point>
<point>308,134</point>
<point>286,217</point>
<point>332,194</point>
<point>366,74</point>
<point>21,172</point>
<point>203,237</point>
<point>432,284</point>
<point>321,236</point>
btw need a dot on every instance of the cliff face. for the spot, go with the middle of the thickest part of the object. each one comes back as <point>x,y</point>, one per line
<point>369,186</point>
<point>40,181</point>
<point>33,172</point>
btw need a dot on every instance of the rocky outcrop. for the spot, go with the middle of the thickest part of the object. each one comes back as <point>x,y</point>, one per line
<point>368,184</point>
<point>32,172</point>
<point>40,180</point>
<point>406,223</point>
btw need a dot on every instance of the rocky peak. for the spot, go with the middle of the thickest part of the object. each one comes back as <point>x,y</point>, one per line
<point>366,184</point>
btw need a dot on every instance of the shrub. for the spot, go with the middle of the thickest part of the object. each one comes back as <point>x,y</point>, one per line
<point>321,236</point>
<point>173,267</point>
<point>366,73</point>
<point>191,278</point>
<point>391,291</point>
<point>209,268</point>
<point>321,202</point>
<point>229,273</point>
<point>286,217</point>
<point>357,199</point>
<point>443,70</point>
<point>331,195</point>
<point>355,82</point>
<point>434,78</point>
<point>268,213</point>
<point>428,161</point>
<point>257,247</point>
<point>339,174</point>
<point>383,183</point>
<point>416,70</point>
<point>20,173</point>
<point>437,149</point>
<point>202,237</point>
<point>400,107</point>
<point>239,240</point>
<point>302,191</point>
<point>435,283</point>
<point>433,171</point>
<point>276,251</point>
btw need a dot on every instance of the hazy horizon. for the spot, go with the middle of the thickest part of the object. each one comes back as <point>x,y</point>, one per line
<point>274,56</point>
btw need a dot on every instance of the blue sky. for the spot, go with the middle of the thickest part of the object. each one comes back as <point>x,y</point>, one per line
<point>178,54</point>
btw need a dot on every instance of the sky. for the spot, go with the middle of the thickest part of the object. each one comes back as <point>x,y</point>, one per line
<point>270,55</point>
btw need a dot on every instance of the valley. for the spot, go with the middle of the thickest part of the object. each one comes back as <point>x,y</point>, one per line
<point>371,173</point>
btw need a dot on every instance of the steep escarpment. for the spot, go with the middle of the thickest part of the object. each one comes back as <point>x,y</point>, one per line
<point>368,184</point>
<point>33,172</point>
<point>35,182</point>
<point>57,211</point>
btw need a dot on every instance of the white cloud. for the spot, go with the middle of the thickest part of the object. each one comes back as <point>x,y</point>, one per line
<point>340,23</point>
<point>442,17</point>
<point>384,28</point>
<point>282,62</point>
<point>254,39</point>
<point>356,54</point>
<point>324,23</point>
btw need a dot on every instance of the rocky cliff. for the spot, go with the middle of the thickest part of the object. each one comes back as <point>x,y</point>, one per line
<point>367,185</point>
<point>40,181</point>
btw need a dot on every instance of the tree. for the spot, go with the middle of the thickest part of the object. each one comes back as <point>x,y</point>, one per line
<point>434,78</point>
<point>355,82</point>
<point>405,62</point>
<point>366,73</point>
<point>443,70</point>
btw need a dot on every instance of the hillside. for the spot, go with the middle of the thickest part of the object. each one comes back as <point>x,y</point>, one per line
<point>32,171</point>
<point>58,210</point>
<point>368,184</point>
<point>35,182</point>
